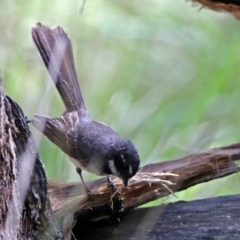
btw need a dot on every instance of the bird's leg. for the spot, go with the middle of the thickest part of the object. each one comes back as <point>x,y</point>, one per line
<point>79,171</point>
<point>111,183</point>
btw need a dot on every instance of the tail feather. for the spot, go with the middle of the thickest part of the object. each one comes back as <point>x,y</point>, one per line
<point>55,49</point>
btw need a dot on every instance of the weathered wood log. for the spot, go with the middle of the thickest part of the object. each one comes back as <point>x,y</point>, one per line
<point>25,210</point>
<point>215,218</point>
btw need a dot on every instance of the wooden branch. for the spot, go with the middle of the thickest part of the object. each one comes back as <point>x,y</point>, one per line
<point>214,218</point>
<point>25,210</point>
<point>230,6</point>
<point>154,181</point>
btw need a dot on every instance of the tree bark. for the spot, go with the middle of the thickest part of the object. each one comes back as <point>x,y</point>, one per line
<point>25,209</point>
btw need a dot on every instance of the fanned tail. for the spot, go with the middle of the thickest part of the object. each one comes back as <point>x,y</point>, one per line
<point>55,49</point>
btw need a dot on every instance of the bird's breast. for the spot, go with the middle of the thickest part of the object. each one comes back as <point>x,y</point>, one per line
<point>93,165</point>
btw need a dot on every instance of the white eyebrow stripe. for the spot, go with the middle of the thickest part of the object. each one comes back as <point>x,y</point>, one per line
<point>112,167</point>
<point>130,169</point>
<point>123,158</point>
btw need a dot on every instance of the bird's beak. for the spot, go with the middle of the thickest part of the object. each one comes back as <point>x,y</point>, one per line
<point>125,181</point>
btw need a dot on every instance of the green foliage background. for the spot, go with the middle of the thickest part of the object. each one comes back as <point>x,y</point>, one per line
<point>163,73</point>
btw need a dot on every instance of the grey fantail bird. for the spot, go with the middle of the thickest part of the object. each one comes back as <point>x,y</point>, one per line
<point>92,146</point>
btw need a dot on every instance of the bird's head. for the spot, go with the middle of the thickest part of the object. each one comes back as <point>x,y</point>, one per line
<point>124,160</point>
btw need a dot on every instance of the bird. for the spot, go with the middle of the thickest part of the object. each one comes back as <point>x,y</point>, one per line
<point>92,146</point>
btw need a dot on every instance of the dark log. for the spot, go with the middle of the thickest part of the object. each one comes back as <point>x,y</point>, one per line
<point>215,218</point>
<point>25,210</point>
